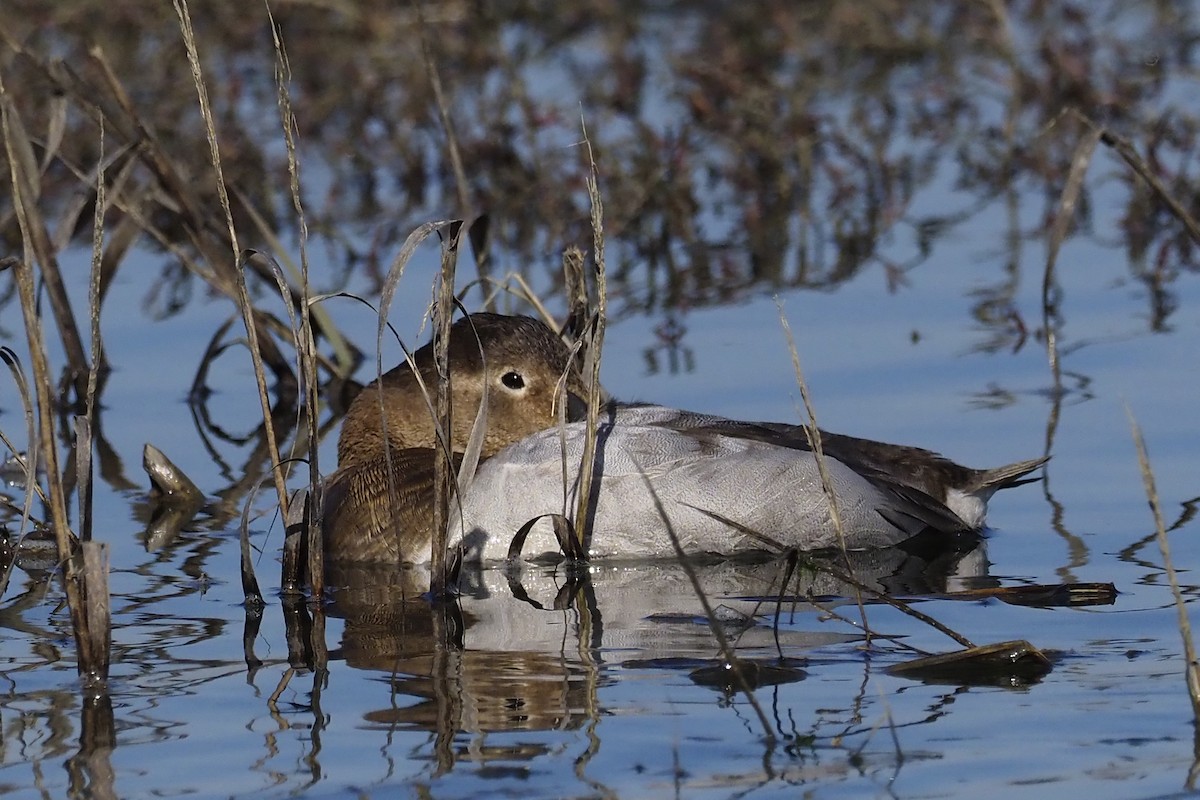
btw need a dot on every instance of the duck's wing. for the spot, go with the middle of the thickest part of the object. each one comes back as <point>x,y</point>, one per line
<point>376,511</point>
<point>903,474</point>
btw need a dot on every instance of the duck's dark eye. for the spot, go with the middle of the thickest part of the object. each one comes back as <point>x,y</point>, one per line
<point>513,380</point>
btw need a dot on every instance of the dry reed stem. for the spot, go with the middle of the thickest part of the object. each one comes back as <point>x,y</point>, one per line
<point>390,284</point>
<point>251,593</point>
<point>45,442</point>
<point>435,82</point>
<point>84,451</point>
<point>35,238</point>
<point>814,438</point>
<point>443,466</point>
<point>595,346</point>
<point>1192,666</point>
<point>710,615</point>
<point>243,295</point>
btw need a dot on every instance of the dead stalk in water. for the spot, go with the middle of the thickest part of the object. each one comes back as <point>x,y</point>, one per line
<point>45,443</point>
<point>1191,669</point>
<point>443,464</point>
<point>592,352</point>
<point>84,454</point>
<point>306,349</point>
<point>814,438</point>
<point>88,604</point>
<point>727,653</point>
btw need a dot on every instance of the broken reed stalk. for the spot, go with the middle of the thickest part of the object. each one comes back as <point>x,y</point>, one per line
<point>1191,670</point>
<point>95,639</point>
<point>814,438</point>
<point>595,344</point>
<point>83,453</point>
<point>243,295</point>
<point>443,461</point>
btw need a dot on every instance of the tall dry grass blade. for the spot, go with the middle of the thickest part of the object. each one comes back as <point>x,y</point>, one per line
<point>390,284</point>
<point>714,625</point>
<point>435,82</point>
<point>1191,670</point>
<point>595,345</point>
<point>345,355</point>
<point>300,332</point>
<point>83,425</point>
<point>477,229</point>
<point>45,442</point>
<point>243,295</point>
<point>443,468</point>
<point>813,432</point>
<point>474,448</point>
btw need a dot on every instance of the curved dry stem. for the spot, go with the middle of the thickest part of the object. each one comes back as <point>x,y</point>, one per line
<point>243,296</point>
<point>814,438</point>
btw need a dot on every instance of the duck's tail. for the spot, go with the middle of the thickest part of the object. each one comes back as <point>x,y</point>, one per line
<point>987,482</point>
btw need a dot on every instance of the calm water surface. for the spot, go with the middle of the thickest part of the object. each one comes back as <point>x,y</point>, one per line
<point>604,698</point>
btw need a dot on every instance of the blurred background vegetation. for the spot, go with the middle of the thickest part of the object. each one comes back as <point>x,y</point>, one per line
<point>742,146</point>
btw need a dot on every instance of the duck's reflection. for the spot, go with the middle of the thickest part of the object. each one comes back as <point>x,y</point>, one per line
<point>528,649</point>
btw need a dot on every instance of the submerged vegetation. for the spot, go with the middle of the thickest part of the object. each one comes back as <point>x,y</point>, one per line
<point>703,154</point>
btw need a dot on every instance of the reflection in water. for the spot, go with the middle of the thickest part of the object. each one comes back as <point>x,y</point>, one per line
<point>744,148</point>
<point>528,648</point>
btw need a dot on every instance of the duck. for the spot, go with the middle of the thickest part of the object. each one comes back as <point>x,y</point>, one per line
<point>664,481</point>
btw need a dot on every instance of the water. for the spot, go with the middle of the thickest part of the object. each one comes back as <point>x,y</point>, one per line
<point>601,698</point>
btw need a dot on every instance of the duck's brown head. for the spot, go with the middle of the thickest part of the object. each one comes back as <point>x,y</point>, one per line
<point>519,359</point>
